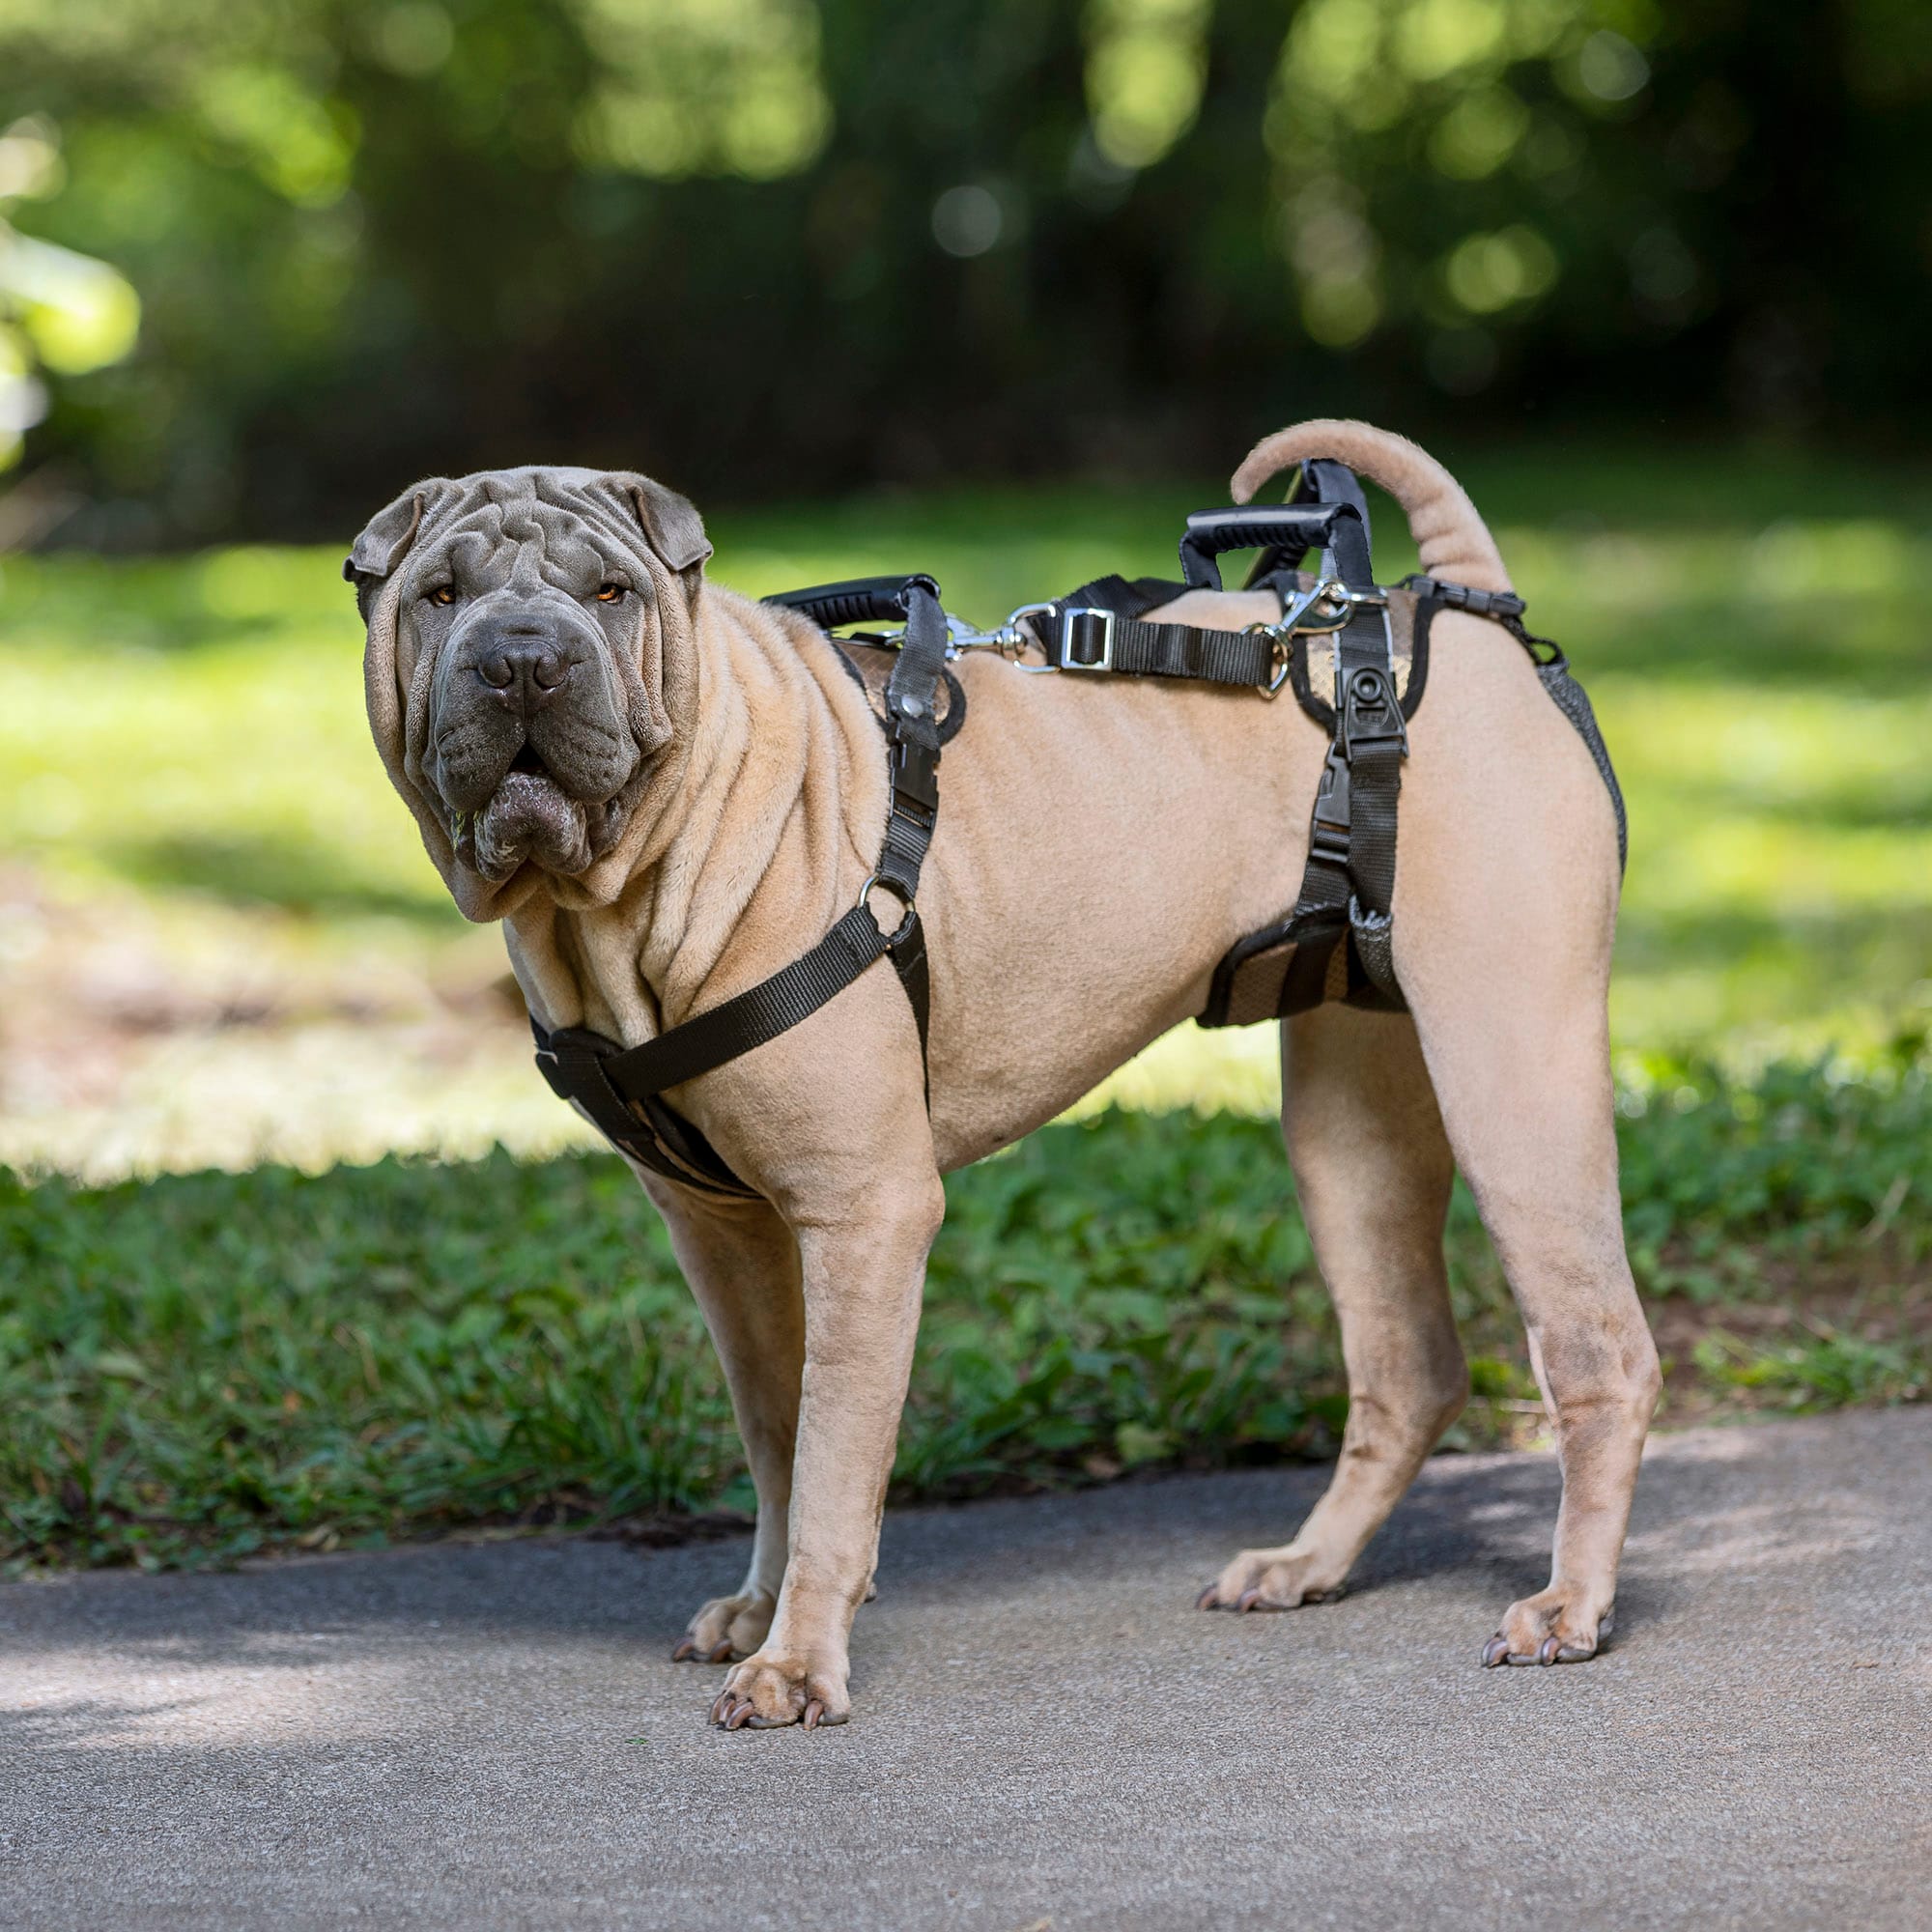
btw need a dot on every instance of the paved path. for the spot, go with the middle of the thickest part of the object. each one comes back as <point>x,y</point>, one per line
<point>490,1736</point>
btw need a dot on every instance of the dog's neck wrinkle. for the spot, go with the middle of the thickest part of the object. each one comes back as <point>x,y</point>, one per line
<point>767,787</point>
<point>763,831</point>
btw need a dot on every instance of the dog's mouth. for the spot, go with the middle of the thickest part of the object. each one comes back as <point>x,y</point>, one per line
<point>532,818</point>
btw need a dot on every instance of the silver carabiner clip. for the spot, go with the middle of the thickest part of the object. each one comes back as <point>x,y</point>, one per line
<point>1009,639</point>
<point>1303,614</point>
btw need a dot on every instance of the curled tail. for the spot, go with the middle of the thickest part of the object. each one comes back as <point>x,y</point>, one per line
<point>1455,543</point>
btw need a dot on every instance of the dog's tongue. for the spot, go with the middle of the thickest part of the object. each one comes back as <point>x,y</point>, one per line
<point>530,818</point>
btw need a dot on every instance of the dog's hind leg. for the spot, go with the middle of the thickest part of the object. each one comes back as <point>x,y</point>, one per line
<point>1505,908</point>
<point>1373,1169</point>
<point>1525,1093</point>
<point>740,1262</point>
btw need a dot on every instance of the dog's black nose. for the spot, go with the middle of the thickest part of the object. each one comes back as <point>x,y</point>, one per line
<point>526,666</point>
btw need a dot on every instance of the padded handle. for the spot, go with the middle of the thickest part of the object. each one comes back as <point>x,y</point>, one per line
<point>1288,527</point>
<point>858,600</point>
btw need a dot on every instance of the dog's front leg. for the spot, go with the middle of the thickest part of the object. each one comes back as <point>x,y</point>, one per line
<point>741,1262</point>
<point>864,1267</point>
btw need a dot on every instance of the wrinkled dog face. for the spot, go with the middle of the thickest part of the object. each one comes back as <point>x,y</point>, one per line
<point>527,642</point>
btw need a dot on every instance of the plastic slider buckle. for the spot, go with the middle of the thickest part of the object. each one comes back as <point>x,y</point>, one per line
<point>1372,715</point>
<point>1086,639</point>
<point>1329,832</point>
<point>916,782</point>
<point>1502,604</point>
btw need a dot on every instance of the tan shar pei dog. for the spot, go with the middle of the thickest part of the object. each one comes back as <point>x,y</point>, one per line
<point>668,791</point>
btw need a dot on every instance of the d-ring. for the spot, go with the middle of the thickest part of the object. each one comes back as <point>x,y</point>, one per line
<point>904,898</point>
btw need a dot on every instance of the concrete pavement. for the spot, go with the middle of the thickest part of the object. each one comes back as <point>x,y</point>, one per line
<point>491,1736</point>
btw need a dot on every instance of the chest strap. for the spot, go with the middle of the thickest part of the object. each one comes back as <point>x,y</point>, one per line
<point>619,1087</point>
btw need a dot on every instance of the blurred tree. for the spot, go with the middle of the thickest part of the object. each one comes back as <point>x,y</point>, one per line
<point>776,244</point>
<point>59,311</point>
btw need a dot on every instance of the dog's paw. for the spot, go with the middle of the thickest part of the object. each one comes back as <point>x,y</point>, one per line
<point>1272,1579</point>
<point>769,1690</point>
<point>725,1626</point>
<point>1559,1624</point>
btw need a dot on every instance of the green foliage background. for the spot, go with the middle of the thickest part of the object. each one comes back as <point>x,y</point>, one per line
<point>766,245</point>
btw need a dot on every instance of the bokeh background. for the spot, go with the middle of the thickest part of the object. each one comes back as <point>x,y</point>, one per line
<point>265,257</point>
<point>999,290</point>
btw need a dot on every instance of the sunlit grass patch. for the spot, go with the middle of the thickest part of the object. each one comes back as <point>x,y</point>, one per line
<point>210,1364</point>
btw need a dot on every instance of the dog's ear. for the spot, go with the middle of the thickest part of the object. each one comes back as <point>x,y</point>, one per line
<point>671,526</point>
<point>386,538</point>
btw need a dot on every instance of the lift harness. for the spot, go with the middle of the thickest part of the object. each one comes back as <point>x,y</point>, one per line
<point>1336,941</point>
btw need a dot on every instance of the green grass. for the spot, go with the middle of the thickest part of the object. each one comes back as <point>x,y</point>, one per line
<point>202,1365</point>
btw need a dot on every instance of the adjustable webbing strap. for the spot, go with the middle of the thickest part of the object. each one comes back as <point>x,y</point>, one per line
<point>1348,888</point>
<point>1099,628</point>
<point>1322,481</point>
<point>759,1013</point>
<point>619,1087</point>
<point>1552,671</point>
<point>912,728</point>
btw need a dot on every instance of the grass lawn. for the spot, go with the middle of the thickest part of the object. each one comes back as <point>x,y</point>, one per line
<point>198,1365</point>
<point>220,948</point>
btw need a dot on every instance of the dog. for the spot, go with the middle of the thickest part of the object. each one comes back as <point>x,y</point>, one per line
<point>667,791</point>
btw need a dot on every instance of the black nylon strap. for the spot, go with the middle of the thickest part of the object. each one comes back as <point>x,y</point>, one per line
<point>1348,888</point>
<point>1133,648</point>
<point>572,1061</point>
<point>759,1013</point>
<point>1322,480</point>
<point>912,730</point>
<point>912,726</point>
<point>1552,669</point>
<point>1138,649</point>
<point>776,1004</point>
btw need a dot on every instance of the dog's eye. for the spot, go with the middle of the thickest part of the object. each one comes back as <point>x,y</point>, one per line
<point>611,593</point>
<point>443,594</point>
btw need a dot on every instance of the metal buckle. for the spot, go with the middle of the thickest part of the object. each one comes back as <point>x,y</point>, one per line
<point>911,905</point>
<point>1282,651</point>
<point>1307,616</point>
<point>1077,615</point>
